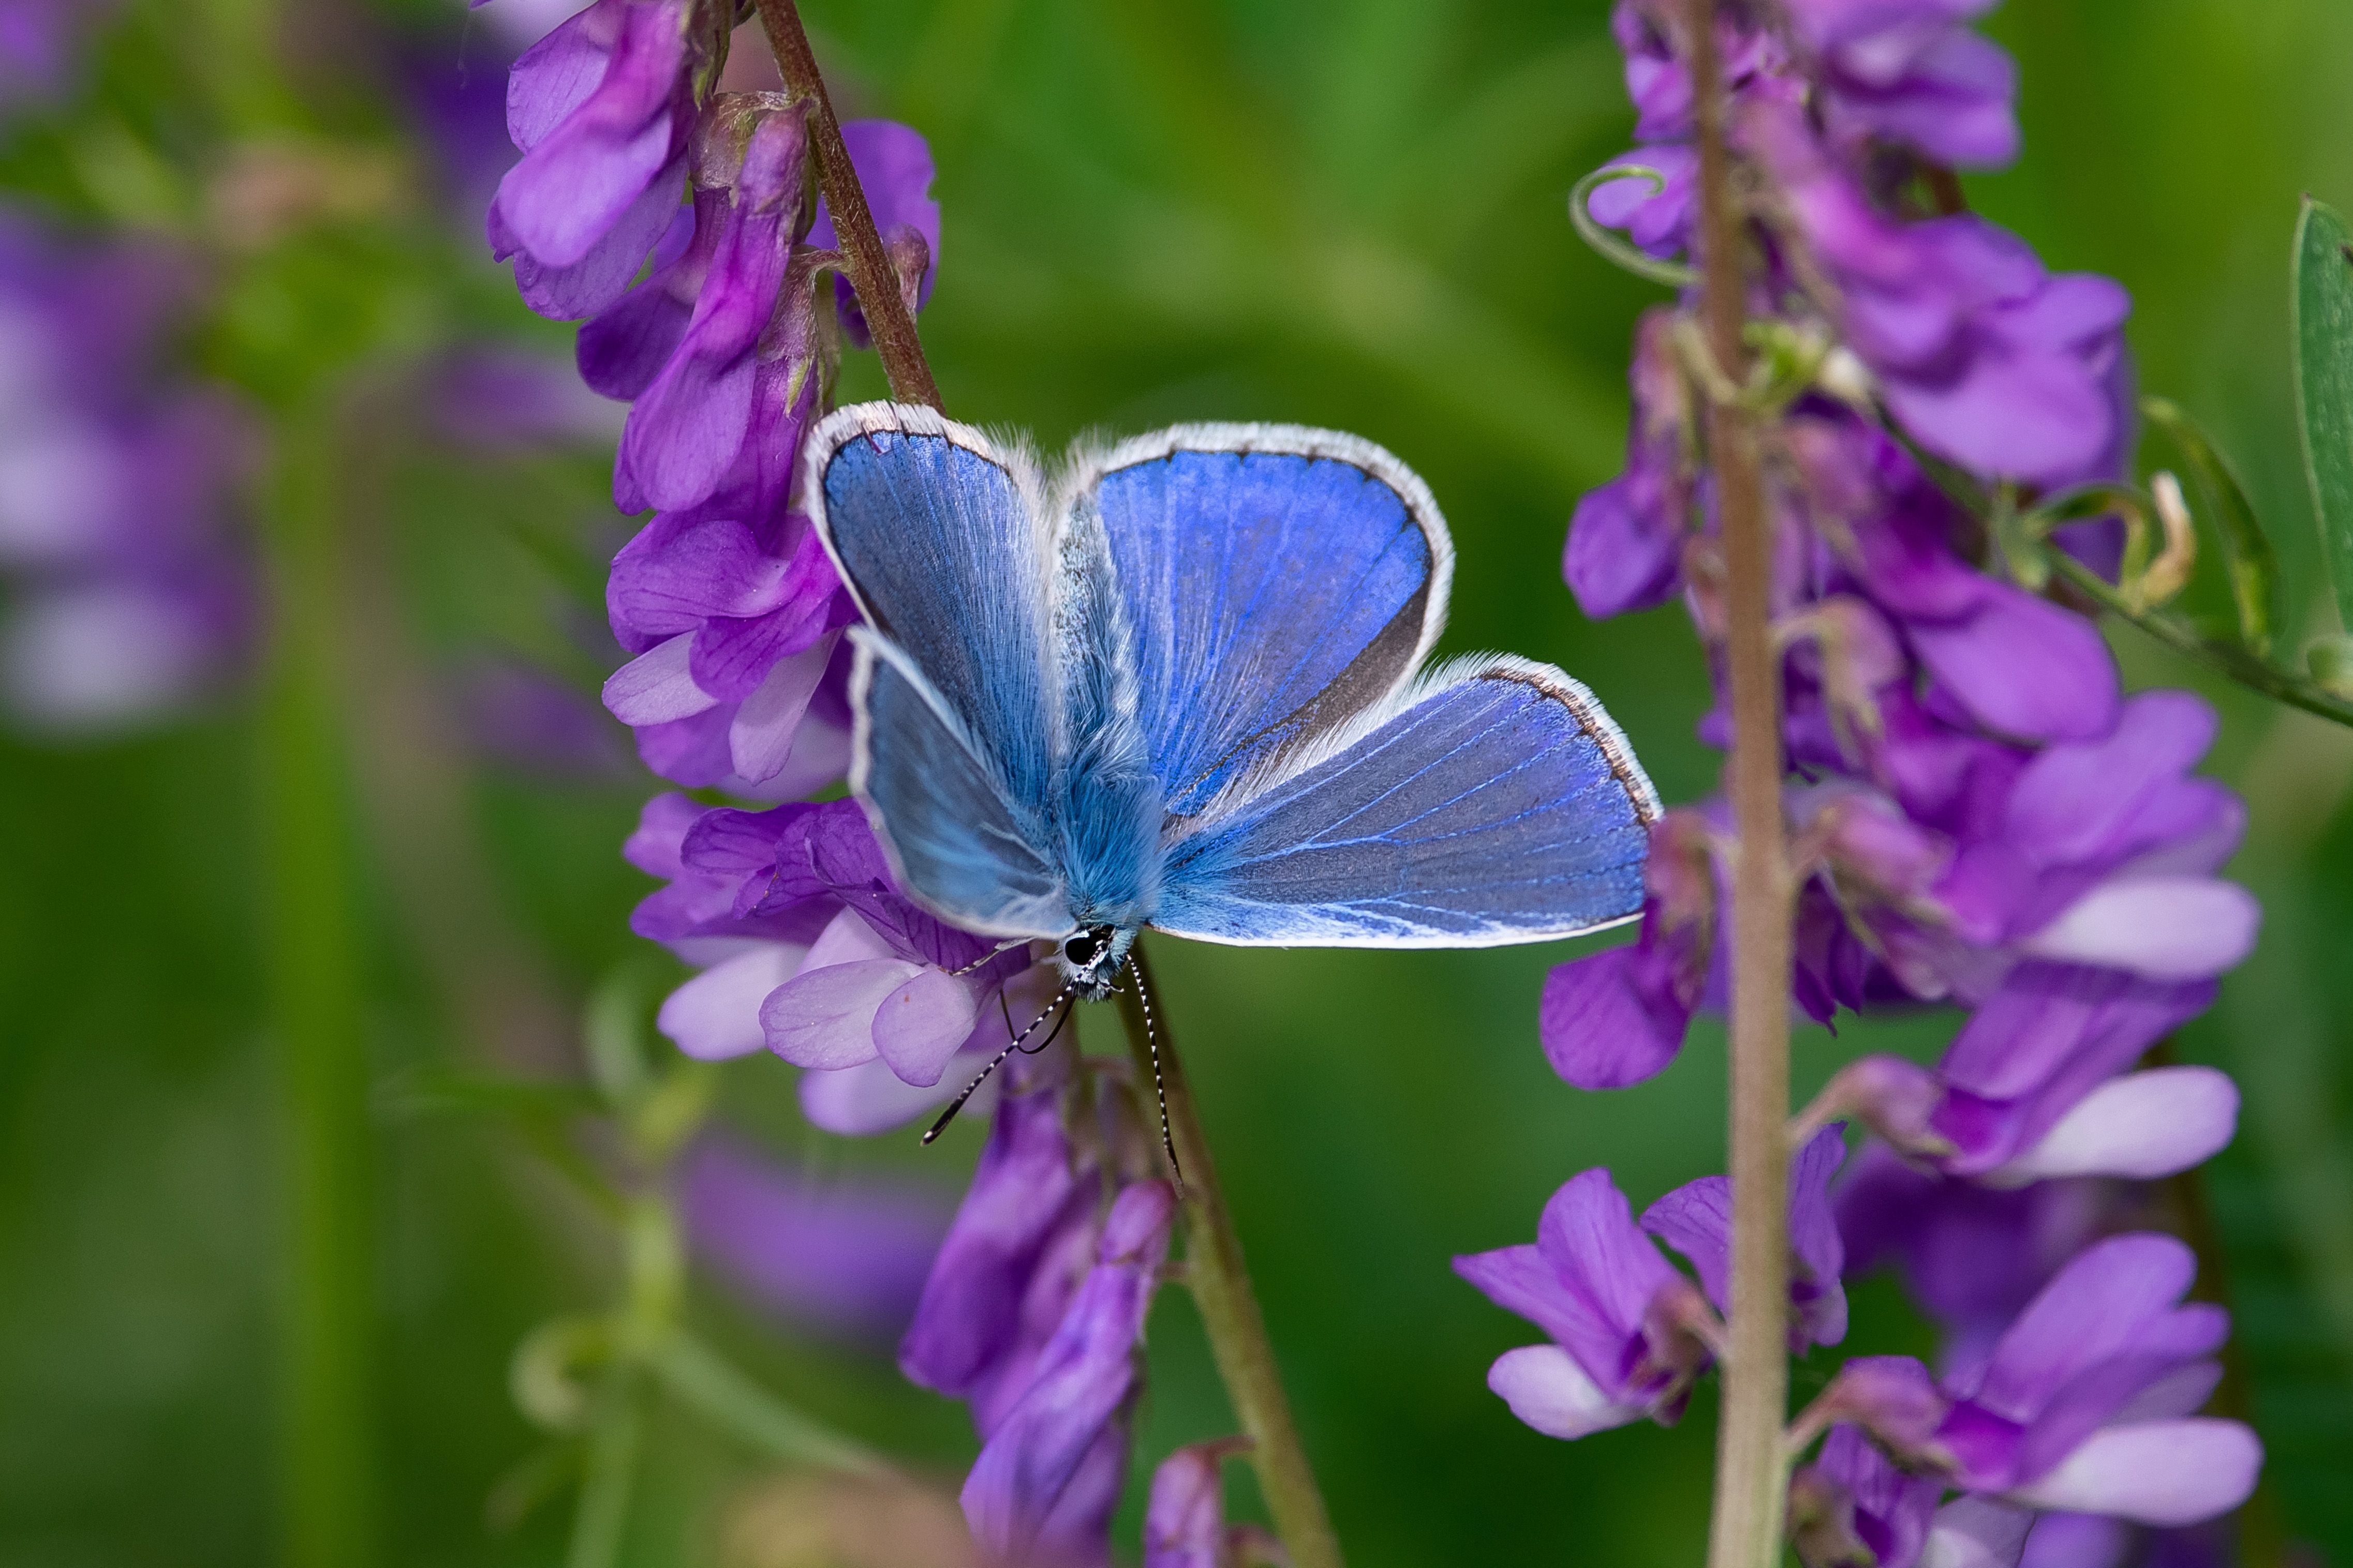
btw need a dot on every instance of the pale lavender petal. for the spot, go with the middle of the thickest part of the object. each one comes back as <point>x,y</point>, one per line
<point>2142,1126</point>
<point>921,1024</point>
<point>2157,1472</point>
<point>716,1015</point>
<point>762,738</point>
<point>860,1102</point>
<point>2166,928</point>
<point>1976,1532</point>
<point>1545,1388</point>
<point>656,686</point>
<point>825,1017</point>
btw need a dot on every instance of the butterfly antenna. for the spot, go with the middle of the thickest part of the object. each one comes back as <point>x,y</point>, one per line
<point>997,1060</point>
<point>1159,1088</point>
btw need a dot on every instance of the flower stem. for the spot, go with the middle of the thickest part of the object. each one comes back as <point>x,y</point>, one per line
<point>1751,1477</point>
<point>870,272</point>
<point>326,1398</point>
<point>1221,1287</point>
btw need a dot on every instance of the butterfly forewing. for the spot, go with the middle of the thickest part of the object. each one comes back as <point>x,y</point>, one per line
<point>1279,580</point>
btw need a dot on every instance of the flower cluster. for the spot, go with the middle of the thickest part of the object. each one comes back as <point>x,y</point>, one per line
<point>132,591</point>
<point>1978,817</point>
<point>679,225</point>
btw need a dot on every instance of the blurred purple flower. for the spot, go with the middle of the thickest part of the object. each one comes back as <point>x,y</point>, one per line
<point>40,42</point>
<point>1185,1519</point>
<point>894,167</point>
<point>519,714</point>
<point>132,593</point>
<point>848,1256</point>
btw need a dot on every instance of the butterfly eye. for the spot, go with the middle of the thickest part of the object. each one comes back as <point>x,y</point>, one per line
<point>1082,948</point>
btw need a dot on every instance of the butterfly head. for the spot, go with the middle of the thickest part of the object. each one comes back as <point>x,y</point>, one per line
<point>1090,957</point>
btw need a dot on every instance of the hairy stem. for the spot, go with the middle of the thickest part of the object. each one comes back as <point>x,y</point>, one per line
<point>1221,1287</point>
<point>870,272</point>
<point>1751,1464</point>
<point>326,1404</point>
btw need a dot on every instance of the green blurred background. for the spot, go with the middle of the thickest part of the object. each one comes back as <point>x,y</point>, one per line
<point>1347,212</point>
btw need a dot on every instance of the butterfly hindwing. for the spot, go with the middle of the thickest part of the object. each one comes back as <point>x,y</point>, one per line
<point>1278,580</point>
<point>969,852</point>
<point>1494,806</point>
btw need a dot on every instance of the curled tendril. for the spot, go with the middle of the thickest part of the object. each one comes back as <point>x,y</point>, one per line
<point>1615,249</point>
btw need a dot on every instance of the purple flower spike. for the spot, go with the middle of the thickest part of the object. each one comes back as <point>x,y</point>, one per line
<point>1622,1319</point>
<point>602,110</point>
<point>1695,1219</point>
<point>1048,1478</point>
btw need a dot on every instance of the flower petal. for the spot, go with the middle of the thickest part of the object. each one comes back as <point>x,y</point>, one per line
<point>1545,1388</point>
<point>825,1017</point>
<point>2143,1126</point>
<point>2167,928</point>
<point>716,1015</point>
<point>2156,1472</point>
<point>657,687</point>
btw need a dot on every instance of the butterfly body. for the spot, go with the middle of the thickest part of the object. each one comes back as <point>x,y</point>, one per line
<point>1178,686</point>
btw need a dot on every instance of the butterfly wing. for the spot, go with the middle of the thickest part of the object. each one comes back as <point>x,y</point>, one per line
<point>955,838</point>
<point>934,530</point>
<point>1494,803</point>
<point>1278,580</point>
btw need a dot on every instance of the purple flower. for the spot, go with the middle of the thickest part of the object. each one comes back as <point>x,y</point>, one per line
<point>2083,1403</point>
<point>1971,1256</point>
<point>1185,1519</point>
<point>691,420</point>
<point>727,598</point>
<point>1908,71</point>
<point>1626,543</point>
<point>850,1258</point>
<point>1695,1219</point>
<point>812,952</point>
<point>1626,1329</point>
<point>603,110</point>
<point>895,169</point>
<point>1049,1474</point>
<point>1986,359</point>
<point>1012,1261</point>
<point>1618,1016</point>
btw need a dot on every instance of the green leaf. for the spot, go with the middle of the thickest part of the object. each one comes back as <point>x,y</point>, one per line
<point>2246,550</point>
<point>2324,384</point>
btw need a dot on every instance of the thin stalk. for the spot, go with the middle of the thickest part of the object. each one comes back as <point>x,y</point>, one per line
<point>327,1400</point>
<point>602,1520</point>
<point>870,272</point>
<point>1751,1477</point>
<point>1221,1289</point>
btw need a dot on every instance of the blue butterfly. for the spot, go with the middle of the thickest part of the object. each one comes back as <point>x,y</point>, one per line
<point>1179,684</point>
